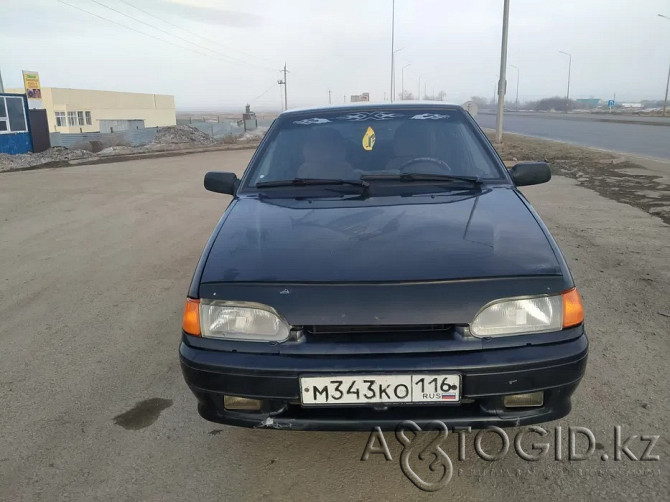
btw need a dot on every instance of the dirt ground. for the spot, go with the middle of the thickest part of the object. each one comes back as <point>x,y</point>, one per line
<point>612,175</point>
<point>95,262</point>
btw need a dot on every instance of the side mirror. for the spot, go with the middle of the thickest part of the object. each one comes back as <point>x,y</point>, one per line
<point>220,182</point>
<point>530,173</point>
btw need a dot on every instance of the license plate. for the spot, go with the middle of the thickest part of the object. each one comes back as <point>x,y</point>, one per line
<point>365,389</point>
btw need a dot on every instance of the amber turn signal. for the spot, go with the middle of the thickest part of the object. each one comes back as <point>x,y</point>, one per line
<point>191,321</point>
<point>573,312</point>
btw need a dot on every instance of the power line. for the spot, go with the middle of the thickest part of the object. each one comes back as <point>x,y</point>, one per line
<point>147,34</point>
<point>224,56</point>
<point>285,71</point>
<point>144,23</point>
<point>131,29</point>
<point>190,32</point>
<point>263,93</point>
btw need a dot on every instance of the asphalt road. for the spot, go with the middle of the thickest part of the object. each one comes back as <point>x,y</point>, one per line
<point>94,266</point>
<point>634,138</point>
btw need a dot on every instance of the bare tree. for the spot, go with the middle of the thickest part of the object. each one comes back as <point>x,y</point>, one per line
<point>480,102</point>
<point>438,97</point>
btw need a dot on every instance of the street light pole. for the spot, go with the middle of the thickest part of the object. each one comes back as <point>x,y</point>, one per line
<point>667,83</point>
<point>567,96</point>
<point>502,83</point>
<point>665,100</point>
<point>516,103</point>
<point>392,48</point>
<point>418,97</point>
<point>402,80</point>
<point>393,82</point>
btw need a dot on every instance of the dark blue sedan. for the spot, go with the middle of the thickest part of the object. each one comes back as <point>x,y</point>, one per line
<point>378,264</point>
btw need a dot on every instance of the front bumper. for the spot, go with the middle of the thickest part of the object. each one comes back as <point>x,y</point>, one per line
<point>487,376</point>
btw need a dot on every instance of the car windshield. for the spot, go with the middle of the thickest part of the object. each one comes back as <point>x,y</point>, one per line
<point>375,145</point>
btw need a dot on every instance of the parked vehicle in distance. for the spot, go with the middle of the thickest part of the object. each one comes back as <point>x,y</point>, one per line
<point>376,264</point>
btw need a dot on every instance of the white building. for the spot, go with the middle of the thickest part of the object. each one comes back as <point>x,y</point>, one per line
<point>80,110</point>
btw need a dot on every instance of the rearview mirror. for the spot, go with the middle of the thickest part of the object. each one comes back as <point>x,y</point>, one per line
<point>221,182</point>
<point>530,173</point>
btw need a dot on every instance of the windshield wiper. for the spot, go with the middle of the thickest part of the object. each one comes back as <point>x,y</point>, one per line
<point>440,178</point>
<point>298,182</point>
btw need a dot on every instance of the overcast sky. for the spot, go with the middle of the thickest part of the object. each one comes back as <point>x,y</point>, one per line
<point>221,54</point>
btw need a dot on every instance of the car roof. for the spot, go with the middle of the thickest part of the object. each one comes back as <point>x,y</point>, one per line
<point>432,105</point>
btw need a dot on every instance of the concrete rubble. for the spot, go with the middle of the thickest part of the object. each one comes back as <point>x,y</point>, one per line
<point>55,154</point>
<point>181,134</point>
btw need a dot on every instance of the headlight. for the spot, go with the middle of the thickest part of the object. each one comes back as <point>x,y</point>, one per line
<point>529,315</point>
<point>241,321</point>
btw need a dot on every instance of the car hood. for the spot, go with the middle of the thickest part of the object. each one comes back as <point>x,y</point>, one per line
<point>388,239</point>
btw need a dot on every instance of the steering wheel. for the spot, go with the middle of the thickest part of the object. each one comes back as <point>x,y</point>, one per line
<point>432,160</point>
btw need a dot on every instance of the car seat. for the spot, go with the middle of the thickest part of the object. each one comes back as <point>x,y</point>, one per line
<point>324,156</point>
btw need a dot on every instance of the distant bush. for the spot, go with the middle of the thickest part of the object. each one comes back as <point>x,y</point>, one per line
<point>552,104</point>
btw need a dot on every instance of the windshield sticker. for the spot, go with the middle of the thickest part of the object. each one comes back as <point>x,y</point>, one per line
<point>369,139</point>
<point>314,120</point>
<point>429,116</point>
<point>362,116</point>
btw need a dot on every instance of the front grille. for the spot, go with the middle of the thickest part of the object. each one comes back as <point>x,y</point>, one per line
<point>375,328</point>
<point>379,333</point>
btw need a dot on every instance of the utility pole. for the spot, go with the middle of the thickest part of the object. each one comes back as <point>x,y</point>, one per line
<point>329,101</point>
<point>285,91</point>
<point>283,82</point>
<point>2,87</point>
<point>392,48</point>
<point>567,96</point>
<point>502,82</point>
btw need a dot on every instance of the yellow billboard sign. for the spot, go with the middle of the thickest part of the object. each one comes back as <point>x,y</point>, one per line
<point>31,82</point>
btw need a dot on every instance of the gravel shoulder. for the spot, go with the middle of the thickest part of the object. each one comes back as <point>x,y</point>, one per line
<point>639,182</point>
